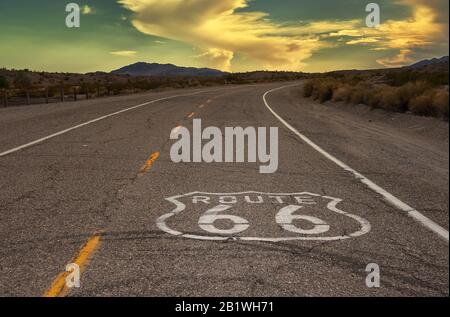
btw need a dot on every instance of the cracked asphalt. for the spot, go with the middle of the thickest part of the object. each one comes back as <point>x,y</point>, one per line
<point>57,194</point>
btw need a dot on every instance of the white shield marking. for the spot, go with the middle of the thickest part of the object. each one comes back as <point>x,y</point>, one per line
<point>283,218</point>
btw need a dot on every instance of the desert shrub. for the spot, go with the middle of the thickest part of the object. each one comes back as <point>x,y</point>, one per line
<point>406,92</point>
<point>423,104</point>
<point>441,103</point>
<point>418,95</point>
<point>315,91</point>
<point>342,93</point>
<point>315,83</point>
<point>411,90</point>
<point>23,81</point>
<point>354,80</point>
<point>325,91</point>
<point>308,88</point>
<point>390,100</point>
<point>357,96</point>
<point>373,99</point>
<point>437,78</point>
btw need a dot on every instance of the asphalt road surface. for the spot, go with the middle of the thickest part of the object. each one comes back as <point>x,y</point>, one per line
<point>101,191</point>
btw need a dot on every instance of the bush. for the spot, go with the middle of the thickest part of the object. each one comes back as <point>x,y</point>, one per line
<point>435,78</point>
<point>390,100</point>
<point>308,88</point>
<point>324,91</point>
<point>417,96</point>
<point>423,105</point>
<point>411,90</point>
<point>342,94</point>
<point>372,100</point>
<point>357,96</point>
<point>441,103</point>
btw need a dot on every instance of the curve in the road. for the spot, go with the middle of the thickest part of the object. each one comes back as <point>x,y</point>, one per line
<point>391,199</point>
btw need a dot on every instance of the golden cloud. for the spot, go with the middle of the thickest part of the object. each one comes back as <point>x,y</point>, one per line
<point>124,53</point>
<point>217,58</point>
<point>216,28</point>
<point>423,29</point>
<point>221,31</point>
<point>403,58</point>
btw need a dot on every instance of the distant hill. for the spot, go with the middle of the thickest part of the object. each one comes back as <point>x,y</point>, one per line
<point>430,62</point>
<point>169,70</point>
<point>430,66</point>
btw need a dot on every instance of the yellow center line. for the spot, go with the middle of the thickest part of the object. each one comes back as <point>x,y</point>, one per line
<point>149,163</point>
<point>59,288</point>
<point>191,115</point>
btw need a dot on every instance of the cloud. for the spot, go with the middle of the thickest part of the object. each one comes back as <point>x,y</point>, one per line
<point>403,58</point>
<point>426,28</point>
<point>87,10</point>
<point>368,40</point>
<point>324,27</point>
<point>221,31</point>
<point>216,58</point>
<point>124,53</point>
<point>350,33</point>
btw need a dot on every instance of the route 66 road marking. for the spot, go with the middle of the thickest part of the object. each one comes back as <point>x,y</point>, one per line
<point>301,216</point>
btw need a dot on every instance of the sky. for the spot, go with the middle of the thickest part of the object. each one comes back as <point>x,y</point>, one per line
<point>230,35</point>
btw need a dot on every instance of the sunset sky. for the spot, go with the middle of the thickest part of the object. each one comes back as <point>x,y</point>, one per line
<point>231,35</point>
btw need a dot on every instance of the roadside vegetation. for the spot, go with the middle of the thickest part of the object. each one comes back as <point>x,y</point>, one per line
<point>24,87</point>
<point>4,85</point>
<point>421,93</point>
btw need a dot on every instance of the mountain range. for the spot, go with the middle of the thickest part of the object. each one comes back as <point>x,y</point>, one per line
<point>430,62</point>
<point>169,70</point>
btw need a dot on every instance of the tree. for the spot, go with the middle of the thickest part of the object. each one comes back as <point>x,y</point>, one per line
<point>4,85</point>
<point>22,81</point>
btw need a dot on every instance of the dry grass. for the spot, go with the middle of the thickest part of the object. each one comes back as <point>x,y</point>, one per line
<point>441,103</point>
<point>418,97</point>
<point>308,89</point>
<point>357,96</point>
<point>390,100</point>
<point>342,94</point>
<point>423,105</point>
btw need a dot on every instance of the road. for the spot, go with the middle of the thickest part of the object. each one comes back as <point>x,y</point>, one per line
<point>94,188</point>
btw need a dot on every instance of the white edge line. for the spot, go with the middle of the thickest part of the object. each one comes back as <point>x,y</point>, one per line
<point>391,199</point>
<point>16,149</point>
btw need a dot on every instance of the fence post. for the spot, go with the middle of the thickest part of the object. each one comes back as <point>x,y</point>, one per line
<point>98,91</point>
<point>46,95</point>
<point>62,93</point>
<point>87,93</point>
<point>74,93</point>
